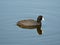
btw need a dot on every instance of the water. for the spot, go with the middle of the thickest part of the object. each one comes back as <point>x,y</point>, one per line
<point>11,11</point>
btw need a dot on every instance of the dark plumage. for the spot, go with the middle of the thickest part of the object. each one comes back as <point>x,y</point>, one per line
<point>30,23</point>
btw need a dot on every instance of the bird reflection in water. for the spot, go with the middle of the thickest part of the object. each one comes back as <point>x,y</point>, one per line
<point>38,28</point>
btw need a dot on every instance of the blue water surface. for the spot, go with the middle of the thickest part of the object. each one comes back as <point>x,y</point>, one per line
<point>11,11</point>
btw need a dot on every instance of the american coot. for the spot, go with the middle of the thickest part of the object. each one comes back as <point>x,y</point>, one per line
<point>31,24</point>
